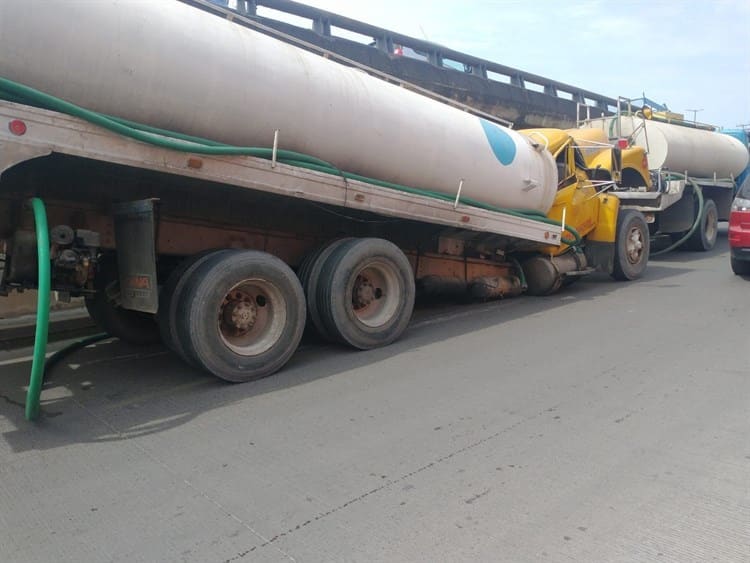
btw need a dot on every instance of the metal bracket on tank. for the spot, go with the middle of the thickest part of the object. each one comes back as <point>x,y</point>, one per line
<point>275,150</point>
<point>135,239</point>
<point>458,193</point>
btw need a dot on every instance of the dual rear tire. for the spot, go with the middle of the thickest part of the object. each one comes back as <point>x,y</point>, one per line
<point>705,235</point>
<point>360,292</point>
<point>240,314</point>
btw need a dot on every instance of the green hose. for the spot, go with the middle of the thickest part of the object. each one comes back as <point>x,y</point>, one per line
<point>520,272</point>
<point>40,365</point>
<point>42,310</point>
<point>143,133</point>
<point>78,344</point>
<point>187,143</point>
<point>699,217</point>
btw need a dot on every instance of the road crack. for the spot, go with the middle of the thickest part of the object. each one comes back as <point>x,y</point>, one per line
<point>388,484</point>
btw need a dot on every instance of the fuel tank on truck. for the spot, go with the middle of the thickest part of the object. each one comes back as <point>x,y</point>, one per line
<point>173,66</point>
<point>700,152</point>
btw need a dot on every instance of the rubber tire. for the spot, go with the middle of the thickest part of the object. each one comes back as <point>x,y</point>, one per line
<point>309,273</point>
<point>740,267</point>
<point>700,239</point>
<point>623,269</point>
<point>133,327</point>
<point>169,298</point>
<point>202,296</point>
<point>334,290</point>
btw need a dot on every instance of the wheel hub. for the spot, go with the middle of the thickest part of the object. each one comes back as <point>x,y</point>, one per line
<point>240,315</point>
<point>364,292</point>
<point>711,225</point>
<point>635,246</point>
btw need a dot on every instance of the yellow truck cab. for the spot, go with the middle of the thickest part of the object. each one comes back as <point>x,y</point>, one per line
<point>614,240</point>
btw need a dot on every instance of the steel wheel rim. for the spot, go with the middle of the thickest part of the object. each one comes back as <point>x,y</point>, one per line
<point>375,293</point>
<point>634,245</point>
<point>711,227</point>
<point>251,317</point>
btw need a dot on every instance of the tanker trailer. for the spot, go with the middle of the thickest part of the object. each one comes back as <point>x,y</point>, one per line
<point>694,171</point>
<point>213,187</point>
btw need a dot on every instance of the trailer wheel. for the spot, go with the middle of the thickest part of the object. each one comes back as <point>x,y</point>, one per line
<point>365,293</point>
<point>631,246</point>
<point>166,316</point>
<point>241,315</point>
<point>309,273</point>
<point>704,237</point>
<point>133,327</point>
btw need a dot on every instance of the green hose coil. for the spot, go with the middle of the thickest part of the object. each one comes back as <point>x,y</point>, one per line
<point>699,216</point>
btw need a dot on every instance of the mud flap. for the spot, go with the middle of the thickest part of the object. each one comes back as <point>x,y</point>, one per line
<point>600,255</point>
<point>136,255</point>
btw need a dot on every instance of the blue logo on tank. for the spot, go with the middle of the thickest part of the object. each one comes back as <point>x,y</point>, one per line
<point>501,143</point>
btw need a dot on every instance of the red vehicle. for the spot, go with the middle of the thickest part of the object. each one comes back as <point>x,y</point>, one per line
<point>739,230</point>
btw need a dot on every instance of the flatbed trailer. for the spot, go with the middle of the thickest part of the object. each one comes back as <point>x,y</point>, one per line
<point>134,188</point>
<point>123,216</point>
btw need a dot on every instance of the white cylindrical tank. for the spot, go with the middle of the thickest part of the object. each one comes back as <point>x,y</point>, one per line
<point>170,65</point>
<point>700,152</point>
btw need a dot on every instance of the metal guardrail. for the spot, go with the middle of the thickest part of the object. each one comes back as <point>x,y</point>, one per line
<point>263,27</point>
<point>327,23</point>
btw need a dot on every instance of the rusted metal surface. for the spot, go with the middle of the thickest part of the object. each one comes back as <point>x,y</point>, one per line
<point>494,287</point>
<point>445,266</point>
<point>183,237</point>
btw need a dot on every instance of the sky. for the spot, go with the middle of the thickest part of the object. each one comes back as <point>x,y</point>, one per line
<point>688,54</point>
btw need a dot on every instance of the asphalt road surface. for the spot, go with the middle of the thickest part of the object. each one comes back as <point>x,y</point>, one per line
<point>610,422</point>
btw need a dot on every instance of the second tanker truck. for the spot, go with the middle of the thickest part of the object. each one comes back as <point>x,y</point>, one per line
<point>693,178</point>
<point>210,186</point>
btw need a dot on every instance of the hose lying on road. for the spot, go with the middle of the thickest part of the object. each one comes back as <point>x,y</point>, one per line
<point>55,358</point>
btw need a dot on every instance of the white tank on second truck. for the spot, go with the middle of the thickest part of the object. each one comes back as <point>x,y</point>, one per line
<point>700,152</point>
<point>694,167</point>
<point>170,65</point>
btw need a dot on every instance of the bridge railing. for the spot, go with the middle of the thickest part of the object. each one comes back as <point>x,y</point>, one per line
<point>329,24</point>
